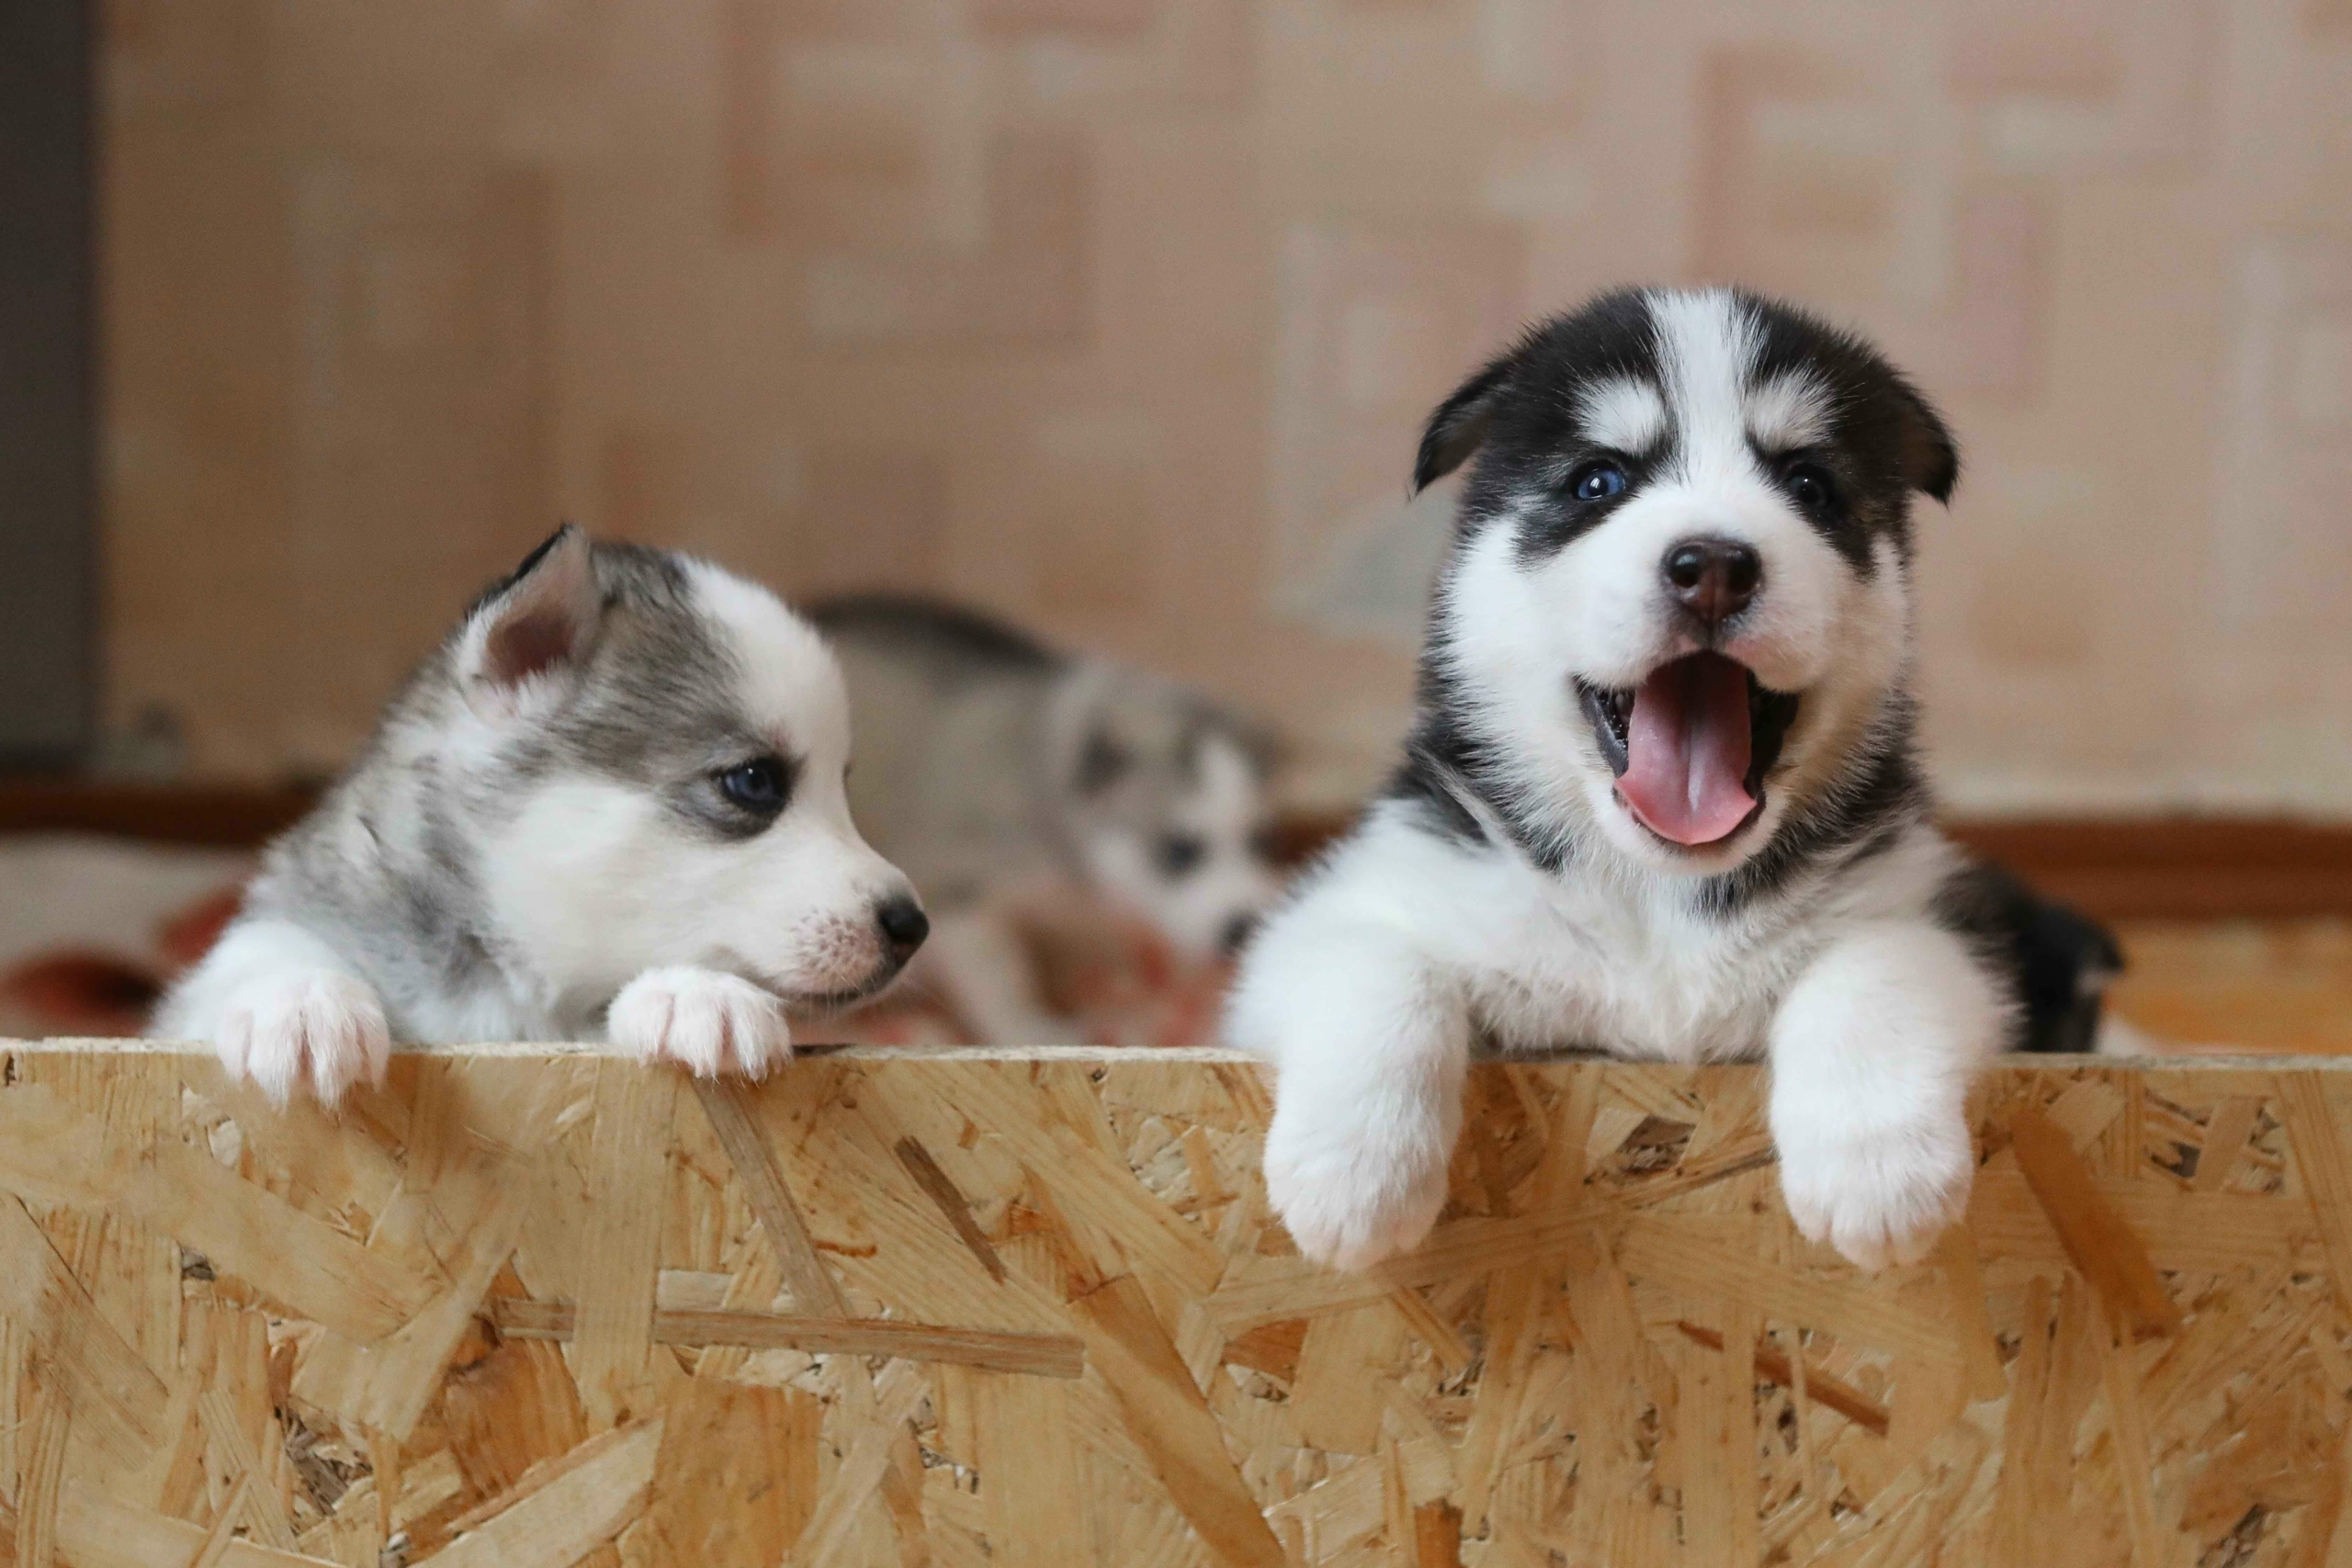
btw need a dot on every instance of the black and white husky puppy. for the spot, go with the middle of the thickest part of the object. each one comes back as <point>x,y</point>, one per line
<point>1663,794</point>
<point>610,805</point>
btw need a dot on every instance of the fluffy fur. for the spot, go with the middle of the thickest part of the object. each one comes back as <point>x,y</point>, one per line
<point>611,804</point>
<point>989,765</point>
<point>1505,888</point>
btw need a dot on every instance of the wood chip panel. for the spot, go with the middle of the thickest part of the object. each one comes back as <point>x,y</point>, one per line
<point>539,1308</point>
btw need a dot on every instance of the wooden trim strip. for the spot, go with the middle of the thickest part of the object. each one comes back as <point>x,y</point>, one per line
<point>996,1350</point>
<point>2116,868</point>
<point>218,815</point>
<point>2178,868</point>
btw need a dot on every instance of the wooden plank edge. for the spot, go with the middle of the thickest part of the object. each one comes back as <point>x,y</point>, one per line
<point>497,1050</point>
<point>999,1350</point>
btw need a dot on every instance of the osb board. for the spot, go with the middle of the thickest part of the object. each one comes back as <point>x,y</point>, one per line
<point>534,1308</point>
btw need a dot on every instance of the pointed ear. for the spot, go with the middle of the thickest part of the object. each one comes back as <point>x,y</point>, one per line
<point>529,634</point>
<point>1930,457</point>
<point>1459,425</point>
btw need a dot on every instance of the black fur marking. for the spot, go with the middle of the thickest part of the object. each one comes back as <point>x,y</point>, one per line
<point>1422,782</point>
<point>1440,753</point>
<point>1844,529</point>
<point>1521,414</point>
<point>1932,458</point>
<point>1553,518</point>
<point>1459,424</point>
<point>1888,439</point>
<point>1862,816</point>
<point>2055,961</point>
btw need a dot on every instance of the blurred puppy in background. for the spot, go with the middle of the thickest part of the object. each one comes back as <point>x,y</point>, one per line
<point>1015,783</point>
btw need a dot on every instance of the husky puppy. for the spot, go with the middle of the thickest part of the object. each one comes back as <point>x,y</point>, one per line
<point>610,805</point>
<point>988,762</point>
<point>1663,794</point>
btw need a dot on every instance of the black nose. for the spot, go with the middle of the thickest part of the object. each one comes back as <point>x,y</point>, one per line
<point>1236,932</point>
<point>1714,579</point>
<point>904,925</point>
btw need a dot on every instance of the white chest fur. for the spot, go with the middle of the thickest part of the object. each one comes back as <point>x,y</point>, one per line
<point>1620,962</point>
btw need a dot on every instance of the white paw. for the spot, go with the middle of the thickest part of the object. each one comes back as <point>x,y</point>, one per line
<point>326,1026</point>
<point>1880,1189</point>
<point>1351,1191</point>
<point>706,1022</point>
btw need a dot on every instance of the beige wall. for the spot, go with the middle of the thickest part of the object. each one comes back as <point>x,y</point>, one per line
<point>1119,315</point>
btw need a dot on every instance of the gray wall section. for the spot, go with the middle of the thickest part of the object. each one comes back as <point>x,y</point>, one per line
<point>48,404</point>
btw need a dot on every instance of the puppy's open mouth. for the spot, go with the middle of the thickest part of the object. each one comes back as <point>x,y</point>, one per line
<point>1691,745</point>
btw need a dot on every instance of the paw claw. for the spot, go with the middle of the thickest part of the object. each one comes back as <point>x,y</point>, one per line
<point>326,1028</point>
<point>707,1022</point>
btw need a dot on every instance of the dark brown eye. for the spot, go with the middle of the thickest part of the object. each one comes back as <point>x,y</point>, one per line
<point>1811,488</point>
<point>761,786</point>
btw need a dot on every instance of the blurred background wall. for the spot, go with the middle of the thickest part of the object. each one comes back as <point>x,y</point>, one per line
<point>1119,316</point>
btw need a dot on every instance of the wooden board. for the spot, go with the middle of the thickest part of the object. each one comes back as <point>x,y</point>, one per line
<point>537,1307</point>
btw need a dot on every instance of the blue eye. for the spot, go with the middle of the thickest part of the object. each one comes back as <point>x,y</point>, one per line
<point>760,787</point>
<point>1598,481</point>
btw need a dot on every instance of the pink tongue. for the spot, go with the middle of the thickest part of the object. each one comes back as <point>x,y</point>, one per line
<point>1687,749</point>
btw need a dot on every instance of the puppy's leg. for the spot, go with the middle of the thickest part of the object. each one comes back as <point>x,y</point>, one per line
<point>1370,1044</point>
<point>701,1019</point>
<point>279,1004</point>
<point>1873,1050</point>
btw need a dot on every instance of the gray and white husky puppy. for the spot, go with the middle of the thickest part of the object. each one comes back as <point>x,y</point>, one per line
<point>1663,794</point>
<point>988,761</point>
<point>610,805</point>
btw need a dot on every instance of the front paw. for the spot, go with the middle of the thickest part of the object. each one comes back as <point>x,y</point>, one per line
<point>1880,1191</point>
<point>704,1020</point>
<point>325,1025</point>
<point>1351,1192</point>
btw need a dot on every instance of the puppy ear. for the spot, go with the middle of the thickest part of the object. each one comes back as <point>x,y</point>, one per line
<point>528,634</point>
<point>1930,457</point>
<point>1459,425</point>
